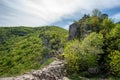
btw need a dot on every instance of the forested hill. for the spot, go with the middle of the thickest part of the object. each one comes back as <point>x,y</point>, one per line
<point>94,46</point>
<point>24,48</point>
<point>91,48</point>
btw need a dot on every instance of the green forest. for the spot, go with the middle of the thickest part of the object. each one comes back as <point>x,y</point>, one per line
<point>23,48</point>
<point>94,50</point>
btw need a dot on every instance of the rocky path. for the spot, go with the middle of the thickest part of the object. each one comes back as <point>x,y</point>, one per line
<point>54,71</point>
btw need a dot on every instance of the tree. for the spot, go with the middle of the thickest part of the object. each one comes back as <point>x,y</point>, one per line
<point>113,39</point>
<point>72,56</point>
<point>115,62</point>
<point>83,55</point>
<point>93,43</point>
<point>96,13</point>
<point>107,26</point>
<point>94,22</point>
<point>112,51</point>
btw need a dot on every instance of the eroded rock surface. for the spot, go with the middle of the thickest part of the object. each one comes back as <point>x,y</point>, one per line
<point>55,71</point>
<point>82,28</point>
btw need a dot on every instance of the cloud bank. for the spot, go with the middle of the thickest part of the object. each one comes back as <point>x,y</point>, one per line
<point>116,17</point>
<point>47,12</point>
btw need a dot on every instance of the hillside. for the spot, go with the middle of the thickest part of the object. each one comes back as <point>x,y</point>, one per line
<point>93,49</point>
<point>90,51</point>
<point>23,49</point>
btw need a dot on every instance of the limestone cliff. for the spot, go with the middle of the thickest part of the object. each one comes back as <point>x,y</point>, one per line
<point>80,29</point>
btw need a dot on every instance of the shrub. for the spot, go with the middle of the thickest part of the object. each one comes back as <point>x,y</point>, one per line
<point>83,55</point>
<point>72,57</point>
<point>107,26</point>
<point>92,46</point>
<point>115,62</point>
<point>113,50</point>
<point>113,39</point>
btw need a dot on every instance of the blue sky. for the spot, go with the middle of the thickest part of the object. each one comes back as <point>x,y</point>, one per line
<point>53,12</point>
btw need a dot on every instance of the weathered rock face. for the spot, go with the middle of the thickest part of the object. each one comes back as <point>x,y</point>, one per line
<point>82,28</point>
<point>79,29</point>
<point>73,31</point>
<point>103,16</point>
<point>55,71</point>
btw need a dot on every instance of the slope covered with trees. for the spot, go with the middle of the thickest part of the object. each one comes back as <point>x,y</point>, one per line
<point>94,48</point>
<point>23,48</point>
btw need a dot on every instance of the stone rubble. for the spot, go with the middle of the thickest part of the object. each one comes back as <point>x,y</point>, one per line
<point>54,71</point>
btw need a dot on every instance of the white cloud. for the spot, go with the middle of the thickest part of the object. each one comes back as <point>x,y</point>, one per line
<point>46,12</point>
<point>67,25</point>
<point>116,17</point>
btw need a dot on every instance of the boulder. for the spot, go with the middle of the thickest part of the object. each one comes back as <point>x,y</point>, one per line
<point>93,70</point>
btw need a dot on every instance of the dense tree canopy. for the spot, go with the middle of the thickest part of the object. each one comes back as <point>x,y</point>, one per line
<point>100,48</point>
<point>23,48</point>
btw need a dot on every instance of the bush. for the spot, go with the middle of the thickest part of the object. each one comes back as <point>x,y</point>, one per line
<point>115,62</point>
<point>72,56</point>
<point>93,43</point>
<point>113,39</point>
<point>113,50</point>
<point>92,46</point>
<point>107,26</point>
<point>83,55</point>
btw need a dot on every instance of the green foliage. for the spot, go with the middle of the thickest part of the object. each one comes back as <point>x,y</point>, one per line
<point>25,48</point>
<point>79,77</point>
<point>99,42</point>
<point>93,43</point>
<point>113,39</point>
<point>22,48</point>
<point>115,31</point>
<point>72,56</point>
<point>115,63</point>
<point>53,36</point>
<point>47,62</point>
<point>94,21</point>
<point>83,55</point>
<point>107,25</point>
<point>113,50</point>
<point>92,46</point>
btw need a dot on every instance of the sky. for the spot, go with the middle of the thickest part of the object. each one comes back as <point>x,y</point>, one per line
<point>53,12</point>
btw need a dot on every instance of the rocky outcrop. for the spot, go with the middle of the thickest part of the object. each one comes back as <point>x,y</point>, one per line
<point>73,31</point>
<point>55,71</point>
<point>103,16</point>
<point>80,29</point>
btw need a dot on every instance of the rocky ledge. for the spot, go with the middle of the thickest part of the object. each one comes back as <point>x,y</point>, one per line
<point>54,71</point>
